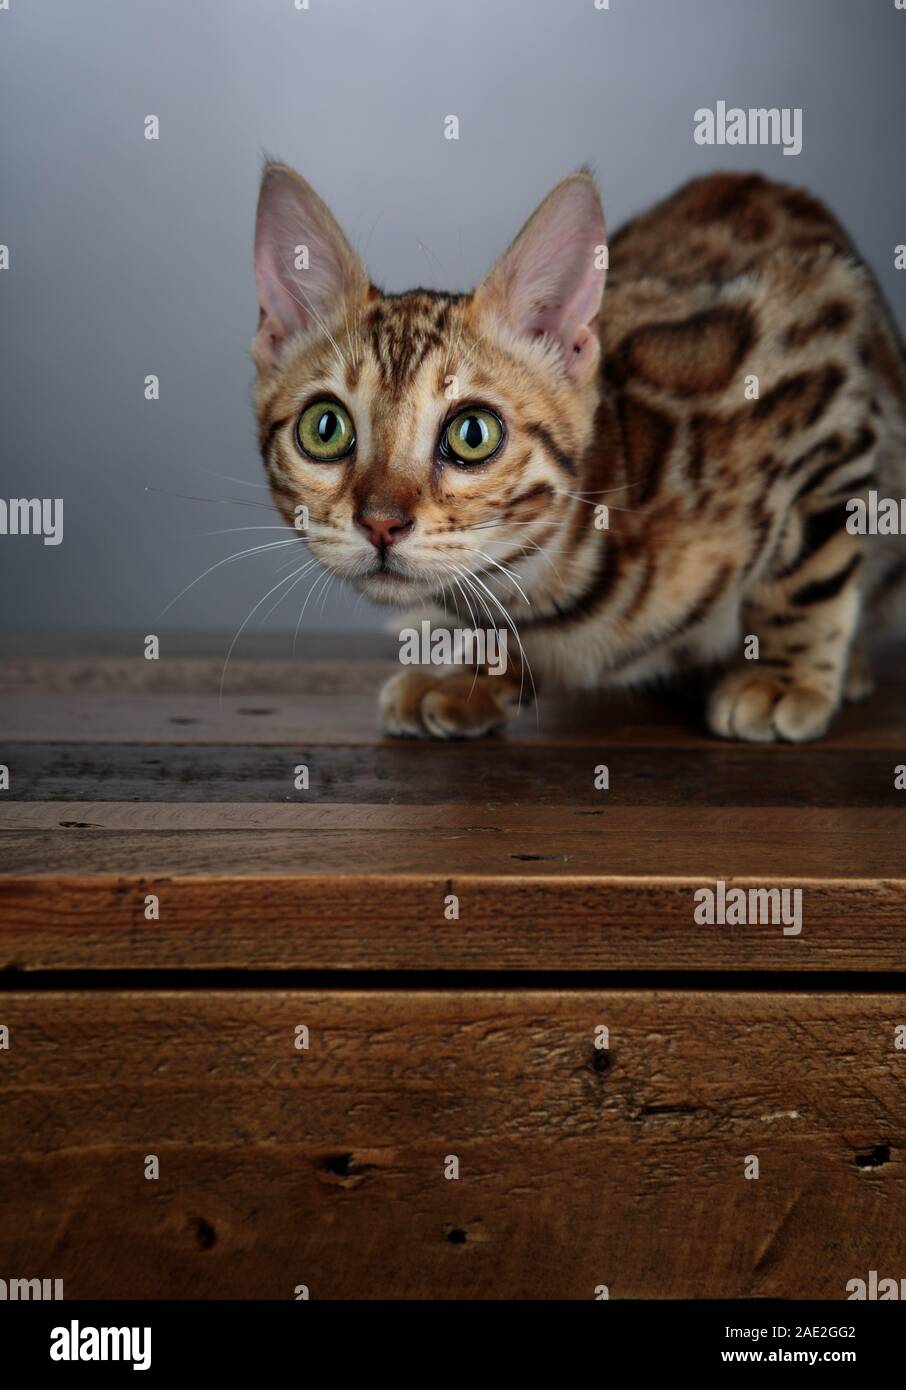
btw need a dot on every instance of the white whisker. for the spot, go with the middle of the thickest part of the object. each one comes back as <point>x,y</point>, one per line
<point>525,663</point>
<point>228,559</point>
<point>217,501</point>
<point>300,573</point>
<point>243,482</point>
<point>246,620</point>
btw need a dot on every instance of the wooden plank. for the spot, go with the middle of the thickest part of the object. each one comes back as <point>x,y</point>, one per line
<point>326,1167</point>
<point>85,650</point>
<point>335,702</point>
<point>767,843</point>
<point>152,719</point>
<point>193,663</point>
<point>531,919</point>
<point>443,817</point>
<point>410,773</point>
<point>324,667</point>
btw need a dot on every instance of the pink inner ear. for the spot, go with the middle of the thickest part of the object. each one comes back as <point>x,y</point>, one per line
<point>284,313</point>
<point>562,285</point>
<point>293,298</point>
<point>551,284</point>
<point>291,215</point>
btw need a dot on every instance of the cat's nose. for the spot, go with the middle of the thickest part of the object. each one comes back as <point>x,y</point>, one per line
<point>384,531</point>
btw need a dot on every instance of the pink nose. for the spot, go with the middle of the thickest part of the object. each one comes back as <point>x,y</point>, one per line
<point>384,531</point>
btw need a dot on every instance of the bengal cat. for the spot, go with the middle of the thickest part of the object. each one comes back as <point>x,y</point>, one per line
<point>741,381</point>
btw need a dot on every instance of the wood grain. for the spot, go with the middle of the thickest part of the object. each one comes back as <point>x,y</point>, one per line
<point>333,700</point>
<point>409,773</point>
<point>325,1167</point>
<point>526,920</point>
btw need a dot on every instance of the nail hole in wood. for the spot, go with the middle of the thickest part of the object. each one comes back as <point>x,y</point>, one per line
<point>203,1232</point>
<point>875,1158</point>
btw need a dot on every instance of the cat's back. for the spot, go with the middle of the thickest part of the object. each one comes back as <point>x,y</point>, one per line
<point>741,326</point>
<point>735,277</point>
<point>719,227</point>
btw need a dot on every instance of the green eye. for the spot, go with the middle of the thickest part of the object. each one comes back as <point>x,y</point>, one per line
<point>325,431</point>
<point>472,436</point>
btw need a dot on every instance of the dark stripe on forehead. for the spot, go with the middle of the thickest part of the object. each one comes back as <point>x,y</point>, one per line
<point>401,335</point>
<point>353,368</point>
<point>447,296</point>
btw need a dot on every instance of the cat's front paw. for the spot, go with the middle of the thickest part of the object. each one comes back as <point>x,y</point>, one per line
<point>416,704</point>
<point>759,708</point>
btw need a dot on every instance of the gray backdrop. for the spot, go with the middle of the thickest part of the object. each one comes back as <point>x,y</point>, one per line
<point>131,257</point>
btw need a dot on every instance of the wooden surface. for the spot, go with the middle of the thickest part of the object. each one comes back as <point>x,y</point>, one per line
<point>577,1167</point>
<point>131,777</point>
<point>432,1037</point>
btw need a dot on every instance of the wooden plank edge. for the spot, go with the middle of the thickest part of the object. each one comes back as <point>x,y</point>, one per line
<point>326,921</point>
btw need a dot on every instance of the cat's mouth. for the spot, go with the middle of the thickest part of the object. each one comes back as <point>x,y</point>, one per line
<point>383,572</point>
<point>384,583</point>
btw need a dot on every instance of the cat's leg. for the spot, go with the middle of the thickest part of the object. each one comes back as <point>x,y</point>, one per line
<point>860,683</point>
<point>465,704</point>
<point>805,619</point>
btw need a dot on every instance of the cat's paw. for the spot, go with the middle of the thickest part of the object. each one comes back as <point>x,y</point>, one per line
<point>759,708</point>
<point>416,704</point>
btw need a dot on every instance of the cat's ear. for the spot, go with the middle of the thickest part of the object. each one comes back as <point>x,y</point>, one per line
<point>304,266</point>
<point>551,280</point>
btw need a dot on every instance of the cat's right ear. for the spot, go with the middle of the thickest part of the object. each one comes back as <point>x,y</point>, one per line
<point>550,282</point>
<point>304,266</point>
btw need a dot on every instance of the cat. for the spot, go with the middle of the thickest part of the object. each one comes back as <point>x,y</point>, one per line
<point>740,381</point>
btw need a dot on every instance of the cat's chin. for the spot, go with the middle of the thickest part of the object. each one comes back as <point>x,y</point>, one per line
<point>391,589</point>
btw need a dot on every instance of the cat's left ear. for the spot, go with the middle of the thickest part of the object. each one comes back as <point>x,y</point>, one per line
<point>305,269</point>
<point>551,280</point>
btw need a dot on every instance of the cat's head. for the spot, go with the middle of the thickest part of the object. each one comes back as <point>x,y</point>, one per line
<point>422,433</point>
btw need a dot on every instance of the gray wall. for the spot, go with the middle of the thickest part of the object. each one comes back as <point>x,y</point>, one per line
<point>130,257</point>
